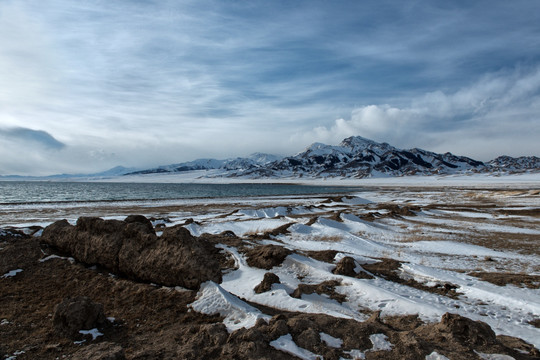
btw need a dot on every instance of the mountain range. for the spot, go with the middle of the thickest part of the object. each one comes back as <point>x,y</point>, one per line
<point>354,157</point>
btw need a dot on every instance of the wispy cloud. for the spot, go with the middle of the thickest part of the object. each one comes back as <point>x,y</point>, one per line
<point>171,81</point>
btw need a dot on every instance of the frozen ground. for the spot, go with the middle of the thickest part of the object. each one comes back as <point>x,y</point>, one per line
<point>468,250</point>
<point>438,237</point>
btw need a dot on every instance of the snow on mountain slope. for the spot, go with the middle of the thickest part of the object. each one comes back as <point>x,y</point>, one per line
<point>238,164</point>
<point>360,157</point>
<point>354,157</point>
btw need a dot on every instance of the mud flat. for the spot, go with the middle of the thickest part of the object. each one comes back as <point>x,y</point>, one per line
<point>386,273</point>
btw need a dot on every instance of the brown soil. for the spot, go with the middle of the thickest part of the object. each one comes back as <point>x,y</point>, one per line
<point>322,255</point>
<point>154,322</point>
<point>502,279</point>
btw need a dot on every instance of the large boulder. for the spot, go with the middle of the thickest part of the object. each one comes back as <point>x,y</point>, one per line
<point>132,248</point>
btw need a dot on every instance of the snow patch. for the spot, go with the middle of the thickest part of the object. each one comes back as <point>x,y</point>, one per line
<point>12,273</point>
<point>330,340</point>
<point>436,356</point>
<point>380,342</point>
<point>94,332</point>
<point>213,299</point>
<point>286,344</point>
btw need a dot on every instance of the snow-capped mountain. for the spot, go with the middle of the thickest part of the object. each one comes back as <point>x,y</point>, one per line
<point>360,157</point>
<point>510,164</point>
<point>354,157</point>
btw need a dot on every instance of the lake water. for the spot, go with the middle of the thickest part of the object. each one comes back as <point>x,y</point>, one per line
<point>41,192</point>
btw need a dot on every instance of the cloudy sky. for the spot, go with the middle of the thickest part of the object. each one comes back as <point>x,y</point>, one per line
<point>88,85</point>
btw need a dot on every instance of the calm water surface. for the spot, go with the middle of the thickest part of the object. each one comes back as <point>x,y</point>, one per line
<point>26,192</point>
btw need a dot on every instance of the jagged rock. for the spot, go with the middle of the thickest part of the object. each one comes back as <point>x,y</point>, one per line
<point>266,283</point>
<point>345,267</point>
<point>267,256</point>
<point>75,314</point>
<point>132,248</point>
<point>100,351</point>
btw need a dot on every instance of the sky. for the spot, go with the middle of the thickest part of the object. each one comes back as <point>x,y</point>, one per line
<point>87,85</point>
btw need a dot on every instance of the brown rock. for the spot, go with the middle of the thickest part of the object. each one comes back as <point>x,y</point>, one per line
<point>267,256</point>
<point>132,248</point>
<point>75,314</point>
<point>266,283</point>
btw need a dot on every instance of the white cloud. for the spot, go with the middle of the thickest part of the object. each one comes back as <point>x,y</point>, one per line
<point>145,83</point>
<point>498,114</point>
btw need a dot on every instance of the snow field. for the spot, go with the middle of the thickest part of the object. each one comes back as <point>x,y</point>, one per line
<point>508,309</point>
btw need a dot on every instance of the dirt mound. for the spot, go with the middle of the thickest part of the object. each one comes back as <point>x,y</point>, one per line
<point>80,313</point>
<point>322,255</point>
<point>266,283</point>
<point>466,330</point>
<point>267,256</point>
<point>502,279</point>
<point>132,248</point>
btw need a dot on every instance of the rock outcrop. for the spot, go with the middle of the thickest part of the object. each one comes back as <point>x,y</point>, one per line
<point>132,248</point>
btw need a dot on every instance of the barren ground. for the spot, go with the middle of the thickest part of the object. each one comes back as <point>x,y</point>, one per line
<point>415,254</point>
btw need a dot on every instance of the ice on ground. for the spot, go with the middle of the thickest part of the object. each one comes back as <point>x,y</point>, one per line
<point>330,340</point>
<point>436,356</point>
<point>213,299</point>
<point>12,273</point>
<point>380,342</point>
<point>50,257</point>
<point>355,354</point>
<point>286,344</point>
<point>94,332</point>
<point>494,356</point>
